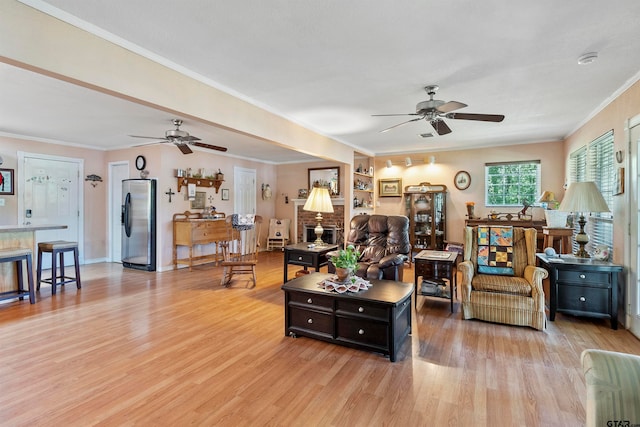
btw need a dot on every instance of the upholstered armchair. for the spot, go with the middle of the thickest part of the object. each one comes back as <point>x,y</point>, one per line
<point>383,243</point>
<point>498,287</point>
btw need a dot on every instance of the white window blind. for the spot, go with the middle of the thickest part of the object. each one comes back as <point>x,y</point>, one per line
<point>595,163</point>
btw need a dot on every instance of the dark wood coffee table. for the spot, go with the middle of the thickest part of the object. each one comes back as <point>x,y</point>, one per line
<point>378,319</point>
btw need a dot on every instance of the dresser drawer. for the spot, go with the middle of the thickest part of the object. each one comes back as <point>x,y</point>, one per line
<point>591,278</point>
<point>433,270</point>
<point>358,308</point>
<point>312,300</point>
<point>309,320</point>
<point>583,298</point>
<point>362,331</point>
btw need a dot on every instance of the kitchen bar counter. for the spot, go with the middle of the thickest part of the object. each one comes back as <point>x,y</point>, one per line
<point>23,236</point>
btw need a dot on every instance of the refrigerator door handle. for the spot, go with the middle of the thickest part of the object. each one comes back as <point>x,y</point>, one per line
<point>126,217</point>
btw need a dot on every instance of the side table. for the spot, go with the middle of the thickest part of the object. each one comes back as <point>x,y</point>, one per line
<point>302,254</point>
<point>563,233</point>
<point>582,287</point>
<point>436,265</point>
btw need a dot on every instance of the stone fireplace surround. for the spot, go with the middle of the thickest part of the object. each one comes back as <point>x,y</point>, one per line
<point>302,217</point>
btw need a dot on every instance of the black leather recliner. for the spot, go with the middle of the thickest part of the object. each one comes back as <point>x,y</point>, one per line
<point>383,242</point>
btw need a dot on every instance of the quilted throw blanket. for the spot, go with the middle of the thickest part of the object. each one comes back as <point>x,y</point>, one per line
<point>495,250</point>
<point>242,222</point>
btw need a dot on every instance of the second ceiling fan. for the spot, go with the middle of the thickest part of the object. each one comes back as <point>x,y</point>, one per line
<point>434,110</point>
<point>181,139</point>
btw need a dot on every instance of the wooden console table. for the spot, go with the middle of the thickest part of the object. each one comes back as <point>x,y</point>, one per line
<point>191,229</point>
<point>378,319</point>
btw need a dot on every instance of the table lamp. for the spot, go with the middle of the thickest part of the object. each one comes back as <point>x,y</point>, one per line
<point>583,197</point>
<point>546,199</point>
<point>319,201</point>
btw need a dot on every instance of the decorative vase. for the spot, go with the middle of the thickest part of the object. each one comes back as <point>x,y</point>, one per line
<point>343,274</point>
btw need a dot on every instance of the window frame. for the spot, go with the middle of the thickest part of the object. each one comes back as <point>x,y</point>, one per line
<point>529,197</point>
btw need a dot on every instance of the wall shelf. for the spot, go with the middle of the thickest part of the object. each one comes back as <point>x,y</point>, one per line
<point>199,182</point>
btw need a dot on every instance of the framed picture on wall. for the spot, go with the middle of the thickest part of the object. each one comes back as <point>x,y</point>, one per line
<point>390,187</point>
<point>6,181</point>
<point>225,194</point>
<point>619,182</point>
<point>199,201</point>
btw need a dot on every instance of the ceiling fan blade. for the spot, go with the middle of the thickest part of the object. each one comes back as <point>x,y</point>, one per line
<point>209,146</point>
<point>389,115</point>
<point>400,124</point>
<point>149,143</point>
<point>440,126</point>
<point>183,147</point>
<point>479,117</point>
<point>450,106</point>
<point>148,137</point>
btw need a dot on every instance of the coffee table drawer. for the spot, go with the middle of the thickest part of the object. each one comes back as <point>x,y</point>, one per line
<point>300,258</point>
<point>360,309</point>
<point>363,331</point>
<point>309,320</point>
<point>311,300</point>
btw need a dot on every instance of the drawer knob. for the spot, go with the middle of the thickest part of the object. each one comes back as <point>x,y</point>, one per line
<point>582,299</point>
<point>582,276</point>
<point>310,301</point>
<point>299,258</point>
<point>360,309</point>
<point>309,321</point>
<point>361,332</point>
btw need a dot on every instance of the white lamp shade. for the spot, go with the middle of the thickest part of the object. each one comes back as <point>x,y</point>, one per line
<point>319,201</point>
<point>583,197</point>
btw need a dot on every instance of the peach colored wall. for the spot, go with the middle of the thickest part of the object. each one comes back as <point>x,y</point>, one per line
<point>613,116</point>
<point>448,163</point>
<point>94,197</point>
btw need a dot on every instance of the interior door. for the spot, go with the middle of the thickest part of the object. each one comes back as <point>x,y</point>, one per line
<point>117,172</point>
<point>244,190</point>
<point>51,194</point>
<point>634,231</point>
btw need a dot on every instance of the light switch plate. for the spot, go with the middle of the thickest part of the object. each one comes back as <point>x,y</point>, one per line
<point>1,202</point>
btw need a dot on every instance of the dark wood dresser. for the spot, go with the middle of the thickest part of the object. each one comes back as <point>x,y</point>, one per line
<point>378,319</point>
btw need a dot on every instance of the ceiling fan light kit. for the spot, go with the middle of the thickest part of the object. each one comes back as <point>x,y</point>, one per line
<point>433,110</point>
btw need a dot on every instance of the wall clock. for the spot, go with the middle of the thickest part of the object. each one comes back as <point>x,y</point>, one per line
<point>141,162</point>
<point>462,180</point>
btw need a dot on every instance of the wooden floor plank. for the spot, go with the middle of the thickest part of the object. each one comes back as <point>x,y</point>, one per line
<point>175,348</point>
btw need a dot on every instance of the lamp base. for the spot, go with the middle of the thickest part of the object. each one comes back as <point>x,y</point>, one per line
<point>582,239</point>
<point>319,231</point>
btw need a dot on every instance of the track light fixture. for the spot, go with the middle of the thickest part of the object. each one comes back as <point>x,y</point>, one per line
<point>407,162</point>
<point>389,164</point>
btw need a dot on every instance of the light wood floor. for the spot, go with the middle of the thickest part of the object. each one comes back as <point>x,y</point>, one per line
<point>174,348</point>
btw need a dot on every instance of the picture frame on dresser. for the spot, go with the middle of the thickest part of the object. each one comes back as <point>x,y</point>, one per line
<point>7,182</point>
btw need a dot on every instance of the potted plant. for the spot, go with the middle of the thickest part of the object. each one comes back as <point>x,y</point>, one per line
<point>346,262</point>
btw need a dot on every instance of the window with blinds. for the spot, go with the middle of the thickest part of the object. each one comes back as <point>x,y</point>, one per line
<point>510,184</point>
<point>595,163</point>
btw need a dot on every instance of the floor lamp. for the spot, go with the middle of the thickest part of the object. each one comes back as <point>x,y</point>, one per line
<point>581,198</point>
<point>319,201</point>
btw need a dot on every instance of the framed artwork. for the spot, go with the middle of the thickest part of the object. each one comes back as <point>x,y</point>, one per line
<point>325,177</point>
<point>391,187</point>
<point>225,194</point>
<point>6,181</point>
<point>200,200</point>
<point>619,182</point>
<point>462,180</point>
<point>371,170</point>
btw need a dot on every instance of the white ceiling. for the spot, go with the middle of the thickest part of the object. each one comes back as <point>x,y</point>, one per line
<point>330,65</point>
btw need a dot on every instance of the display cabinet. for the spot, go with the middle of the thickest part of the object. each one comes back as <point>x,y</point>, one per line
<point>426,208</point>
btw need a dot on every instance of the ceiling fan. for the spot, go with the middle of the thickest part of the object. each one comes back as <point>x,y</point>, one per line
<point>434,110</point>
<point>181,139</point>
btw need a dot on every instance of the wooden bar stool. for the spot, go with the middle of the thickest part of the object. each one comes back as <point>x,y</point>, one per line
<point>564,233</point>
<point>18,255</point>
<point>58,247</point>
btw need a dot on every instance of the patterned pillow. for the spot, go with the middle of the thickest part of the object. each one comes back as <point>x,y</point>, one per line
<point>495,250</point>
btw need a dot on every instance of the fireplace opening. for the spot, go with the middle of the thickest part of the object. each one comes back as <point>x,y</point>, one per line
<point>328,236</point>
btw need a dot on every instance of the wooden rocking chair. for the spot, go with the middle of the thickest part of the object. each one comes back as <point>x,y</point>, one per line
<point>240,252</point>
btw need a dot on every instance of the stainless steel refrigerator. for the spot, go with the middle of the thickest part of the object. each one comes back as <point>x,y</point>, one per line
<point>139,224</point>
